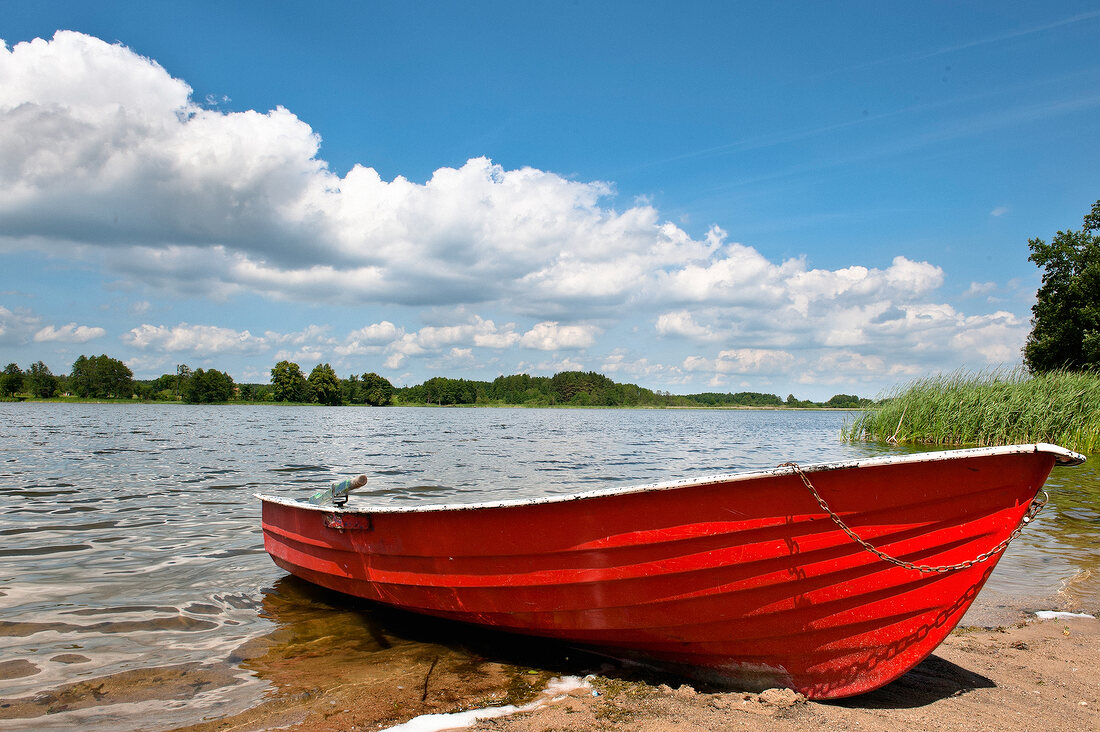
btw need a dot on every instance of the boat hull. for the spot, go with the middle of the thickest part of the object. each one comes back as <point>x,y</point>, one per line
<point>737,579</point>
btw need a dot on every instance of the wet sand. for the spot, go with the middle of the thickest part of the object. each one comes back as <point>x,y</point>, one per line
<point>1039,675</point>
<point>137,594</point>
<point>347,669</point>
<point>1031,675</point>
<point>333,662</point>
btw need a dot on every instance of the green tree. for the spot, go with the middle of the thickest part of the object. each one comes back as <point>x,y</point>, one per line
<point>844,401</point>
<point>350,393</point>
<point>101,377</point>
<point>40,381</point>
<point>183,375</point>
<point>83,379</point>
<point>288,383</point>
<point>326,385</point>
<point>442,390</point>
<point>582,388</point>
<point>254,392</point>
<point>1065,329</point>
<point>208,387</point>
<point>794,402</point>
<point>740,399</point>
<point>377,390</point>
<point>11,380</point>
<point>520,389</point>
<point>163,388</point>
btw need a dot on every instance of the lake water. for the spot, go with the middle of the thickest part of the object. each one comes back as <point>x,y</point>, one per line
<point>130,539</point>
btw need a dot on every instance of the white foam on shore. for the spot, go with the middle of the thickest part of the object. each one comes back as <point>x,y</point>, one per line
<point>1059,614</point>
<point>556,690</point>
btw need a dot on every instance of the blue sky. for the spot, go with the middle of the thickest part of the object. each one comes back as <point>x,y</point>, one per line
<point>814,198</point>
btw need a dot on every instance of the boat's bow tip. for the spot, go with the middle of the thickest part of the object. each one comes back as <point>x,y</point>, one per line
<point>1062,456</point>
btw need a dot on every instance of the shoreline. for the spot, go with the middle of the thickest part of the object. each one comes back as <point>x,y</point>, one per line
<point>310,674</point>
<point>981,677</point>
<point>727,408</point>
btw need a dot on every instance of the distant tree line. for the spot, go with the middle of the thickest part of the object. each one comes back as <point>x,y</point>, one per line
<point>573,388</point>
<point>323,386</point>
<point>589,388</point>
<point>740,399</point>
<point>37,381</point>
<point>98,377</point>
<point>103,377</point>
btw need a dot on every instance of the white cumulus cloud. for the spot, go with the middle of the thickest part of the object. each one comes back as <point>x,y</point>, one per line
<point>551,336</point>
<point>741,361</point>
<point>115,155</point>
<point>197,339</point>
<point>16,326</point>
<point>682,323</point>
<point>977,289</point>
<point>105,157</point>
<point>71,333</point>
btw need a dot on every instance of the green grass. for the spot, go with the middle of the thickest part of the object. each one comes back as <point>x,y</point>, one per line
<point>992,408</point>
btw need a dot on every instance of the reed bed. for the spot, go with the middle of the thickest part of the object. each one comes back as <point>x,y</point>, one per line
<point>988,408</point>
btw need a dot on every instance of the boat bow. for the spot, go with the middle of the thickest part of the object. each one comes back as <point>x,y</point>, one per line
<point>746,578</point>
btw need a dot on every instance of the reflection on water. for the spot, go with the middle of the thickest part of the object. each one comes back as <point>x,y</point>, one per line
<point>130,546</point>
<point>362,666</point>
<point>1061,549</point>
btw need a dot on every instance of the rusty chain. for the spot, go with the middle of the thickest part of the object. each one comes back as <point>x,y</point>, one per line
<point>1036,506</point>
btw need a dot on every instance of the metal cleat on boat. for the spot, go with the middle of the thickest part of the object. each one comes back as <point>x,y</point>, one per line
<point>337,493</point>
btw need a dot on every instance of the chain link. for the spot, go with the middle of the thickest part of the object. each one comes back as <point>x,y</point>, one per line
<point>1037,505</point>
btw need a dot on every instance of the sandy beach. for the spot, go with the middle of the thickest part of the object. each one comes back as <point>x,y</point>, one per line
<point>1031,674</point>
<point>1040,675</point>
<point>1003,669</point>
<point>132,614</point>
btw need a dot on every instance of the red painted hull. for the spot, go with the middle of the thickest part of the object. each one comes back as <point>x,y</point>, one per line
<point>738,578</point>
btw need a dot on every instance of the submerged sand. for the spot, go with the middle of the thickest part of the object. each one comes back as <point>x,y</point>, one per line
<point>1034,674</point>
<point>1015,672</point>
<point>1039,675</point>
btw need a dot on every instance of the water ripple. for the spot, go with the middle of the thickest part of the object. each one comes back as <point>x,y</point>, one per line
<point>131,538</point>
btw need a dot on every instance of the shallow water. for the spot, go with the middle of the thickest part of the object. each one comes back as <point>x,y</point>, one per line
<point>130,540</point>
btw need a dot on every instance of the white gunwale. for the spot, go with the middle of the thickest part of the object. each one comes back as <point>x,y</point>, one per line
<point>1061,455</point>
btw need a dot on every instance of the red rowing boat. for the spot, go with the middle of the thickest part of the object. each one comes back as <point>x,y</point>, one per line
<point>829,579</point>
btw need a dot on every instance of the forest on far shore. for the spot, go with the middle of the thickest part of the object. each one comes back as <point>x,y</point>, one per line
<point>103,377</point>
<point>592,389</point>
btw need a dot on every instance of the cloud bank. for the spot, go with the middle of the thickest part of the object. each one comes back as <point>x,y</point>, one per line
<point>105,156</point>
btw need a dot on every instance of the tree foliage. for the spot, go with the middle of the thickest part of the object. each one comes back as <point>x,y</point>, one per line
<point>325,385</point>
<point>740,399</point>
<point>441,390</point>
<point>208,387</point>
<point>377,391</point>
<point>255,392</point>
<point>40,381</point>
<point>795,403</point>
<point>288,383</point>
<point>104,377</point>
<point>11,380</point>
<point>164,387</point>
<point>182,376</point>
<point>589,388</point>
<point>350,390</point>
<point>583,388</point>
<point>520,389</point>
<point>847,401</point>
<point>101,377</point>
<point>1065,329</point>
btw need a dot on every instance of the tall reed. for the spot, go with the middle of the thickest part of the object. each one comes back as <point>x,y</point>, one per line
<point>989,408</point>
